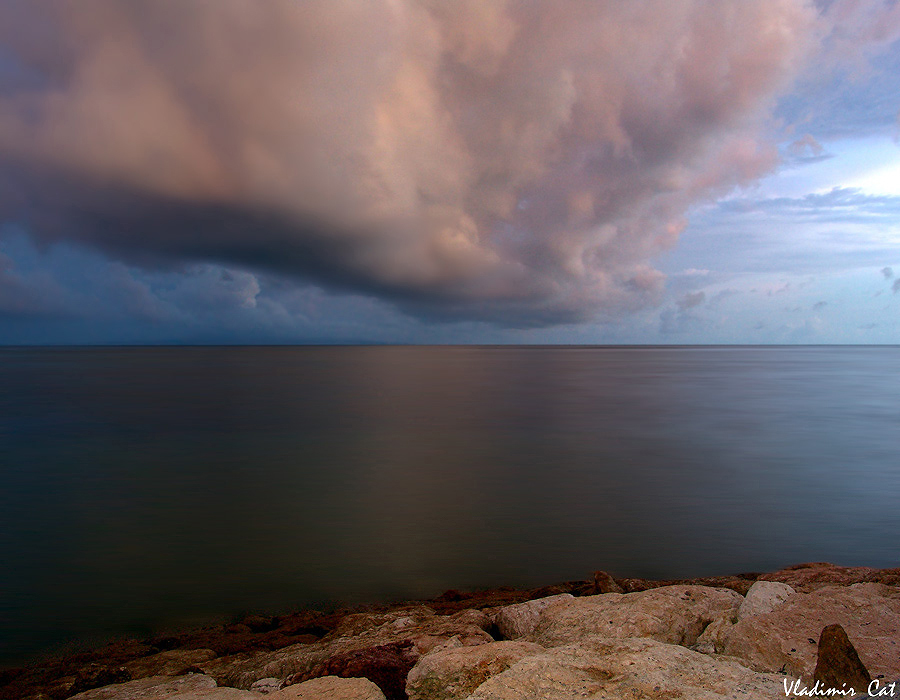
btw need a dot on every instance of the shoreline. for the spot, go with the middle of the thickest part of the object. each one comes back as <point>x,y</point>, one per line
<point>211,649</point>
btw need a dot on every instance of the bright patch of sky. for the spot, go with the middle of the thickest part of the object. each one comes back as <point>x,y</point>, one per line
<point>809,254</point>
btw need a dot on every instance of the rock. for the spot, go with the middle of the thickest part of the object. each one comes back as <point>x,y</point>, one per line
<point>673,614</point>
<point>711,641</point>
<point>604,583</point>
<point>763,597</point>
<point>330,688</point>
<point>98,675</point>
<point>168,663</point>
<point>515,621</point>
<point>359,623</point>
<point>243,670</point>
<point>809,577</point>
<point>740,583</point>
<point>189,687</point>
<point>369,643</point>
<point>452,674</point>
<point>838,664</point>
<point>259,623</point>
<point>386,665</point>
<point>607,669</point>
<point>785,639</point>
<point>267,685</point>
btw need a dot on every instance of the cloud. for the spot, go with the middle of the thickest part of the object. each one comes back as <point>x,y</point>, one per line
<point>896,286</point>
<point>31,294</point>
<point>724,294</point>
<point>512,162</point>
<point>856,75</point>
<point>806,148</point>
<point>689,301</point>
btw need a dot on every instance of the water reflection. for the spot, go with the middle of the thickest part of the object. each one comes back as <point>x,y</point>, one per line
<point>165,484</point>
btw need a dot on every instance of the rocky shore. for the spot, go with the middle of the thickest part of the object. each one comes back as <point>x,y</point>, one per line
<point>745,636</point>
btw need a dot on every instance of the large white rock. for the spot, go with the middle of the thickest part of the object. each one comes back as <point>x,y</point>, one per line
<point>617,669</point>
<point>787,637</point>
<point>519,620</point>
<point>330,688</point>
<point>451,674</point>
<point>193,686</point>
<point>763,597</point>
<point>671,614</point>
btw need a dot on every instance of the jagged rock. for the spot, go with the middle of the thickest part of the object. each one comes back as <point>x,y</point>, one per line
<point>451,674</point>
<point>608,669</point>
<point>330,688</point>
<point>189,687</point>
<point>515,621</point>
<point>673,614</point>
<point>763,597</point>
<point>168,663</point>
<point>604,583</point>
<point>419,627</point>
<point>786,637</point>
<point>838,664</point>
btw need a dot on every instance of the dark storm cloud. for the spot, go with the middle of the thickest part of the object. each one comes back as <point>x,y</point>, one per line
<point>505,161</point>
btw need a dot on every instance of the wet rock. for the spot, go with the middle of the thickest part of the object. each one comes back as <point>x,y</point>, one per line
<point>838,664</point>
<point>604,583</point>
<point>520,620</point>
<point>452,674</point>
<point>785,638</point>
<point>627,668</point>
<point>330,688</point>
<point>673,614</point>
<point>763,597</point>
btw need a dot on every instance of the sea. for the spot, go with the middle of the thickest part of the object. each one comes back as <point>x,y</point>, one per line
<point>151,489</point>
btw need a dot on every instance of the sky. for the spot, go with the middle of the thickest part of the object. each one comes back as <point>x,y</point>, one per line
<point>475,171</point>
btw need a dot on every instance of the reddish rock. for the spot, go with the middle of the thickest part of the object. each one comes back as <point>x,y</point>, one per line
<point>838,664</point>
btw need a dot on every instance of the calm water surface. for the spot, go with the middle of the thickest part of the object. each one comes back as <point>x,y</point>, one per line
<point>148,489</point>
